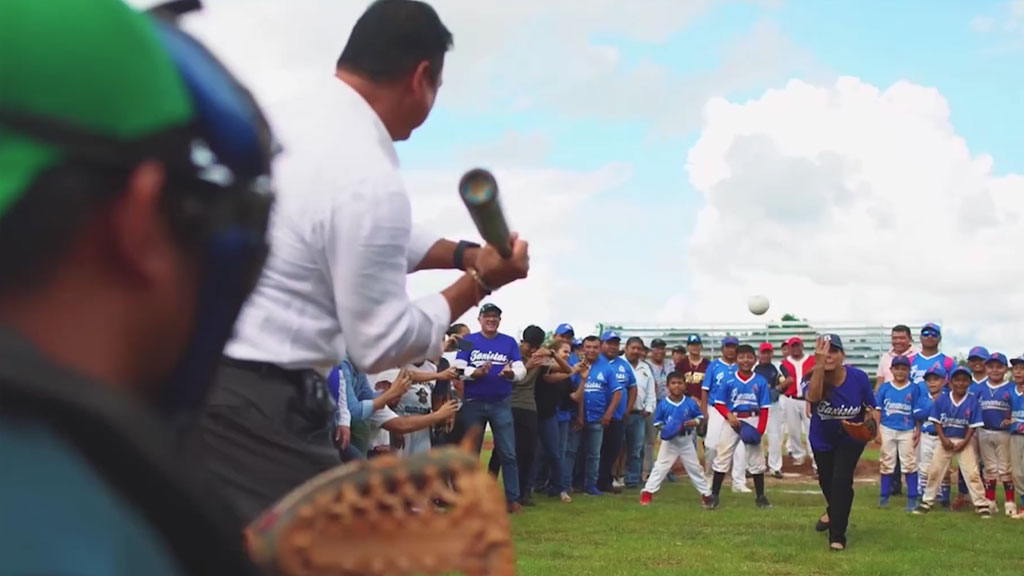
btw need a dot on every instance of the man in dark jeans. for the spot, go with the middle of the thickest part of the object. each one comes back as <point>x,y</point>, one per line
<point>615,431</point>
<point>524,414</point>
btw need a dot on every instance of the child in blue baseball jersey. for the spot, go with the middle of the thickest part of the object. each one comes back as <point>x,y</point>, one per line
<point>677,417</point>
<point>742,400</point>
<point>956,416</point>
<point>716,374</point>
<point>898,401</point>
<point>1015,424</point>
<point>994,437</point>
<point>936,382</point>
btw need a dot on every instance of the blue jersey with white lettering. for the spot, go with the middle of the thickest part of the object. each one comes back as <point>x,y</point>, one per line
<point>924,411</point>
<point>598,390</point>
<point>919,365</point>
<point>976,385</point>
<point>685,410</point>
<point>955,418</point>
<point>716,373</point>
<point>501,350</point>
<point>1017,412</point>
<point>739,395</point>
<point>845,402</point>
<point>898,404</point>
<point>627,379</point>
<point>994,402</point>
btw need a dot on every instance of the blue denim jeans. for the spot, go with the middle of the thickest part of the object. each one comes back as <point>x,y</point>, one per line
<point>588,441</point>
<point>636,430</point>
<point>499,416</point>
<point>551,452</point>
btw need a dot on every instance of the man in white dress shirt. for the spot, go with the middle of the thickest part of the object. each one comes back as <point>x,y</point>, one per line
<point>335,281</point>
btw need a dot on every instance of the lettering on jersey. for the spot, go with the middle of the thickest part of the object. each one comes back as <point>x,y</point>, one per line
<point>951,421</point>
<point>1000,403</point>
<point>905,408</point>
<point>478,358</point>
<point>826,411</point>
<point>746,397</point>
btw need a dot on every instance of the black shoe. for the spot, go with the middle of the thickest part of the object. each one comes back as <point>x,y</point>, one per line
<point>762,502</point>
<point>821,526</point>
<point>712,502</point>
<point>527,501</point>
<point>777,475</point>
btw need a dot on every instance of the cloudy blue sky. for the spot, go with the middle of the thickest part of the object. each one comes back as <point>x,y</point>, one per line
<point>855,161</point>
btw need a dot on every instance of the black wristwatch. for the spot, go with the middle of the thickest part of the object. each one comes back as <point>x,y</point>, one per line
<point>460,253</point>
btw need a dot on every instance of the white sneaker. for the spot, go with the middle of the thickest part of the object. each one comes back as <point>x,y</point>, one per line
<point>564,496</point>
<point>741,489</point>
<point>618,483</point>
<point>1010,508</point>
<point>993,507</point>
<point>798,461</point>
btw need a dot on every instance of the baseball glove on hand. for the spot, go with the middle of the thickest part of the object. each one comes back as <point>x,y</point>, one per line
<point>671,429</point>
<point>863,432</point>
<point>749,434</point>
<point>432,513</point>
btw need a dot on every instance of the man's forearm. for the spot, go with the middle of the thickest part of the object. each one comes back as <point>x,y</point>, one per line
<point>441,256</point>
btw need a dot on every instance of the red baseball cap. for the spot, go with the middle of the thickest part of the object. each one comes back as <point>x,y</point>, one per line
<point>765,346</point>
<point>794,340</point>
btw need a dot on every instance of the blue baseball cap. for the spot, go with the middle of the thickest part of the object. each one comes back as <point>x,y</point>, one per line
<point>998,357</point>
<point>1017,360</point>
<point>564,329</point>
<point>937,370</point>
<point>730,341</point>
<point>959,370</point>
<point>900,361</point>
<point>693,339</point>
<point>978,352</point>
<point>577,342</point>
<point>834,341</point>
<point>932,327</point>
<point>610,335</point>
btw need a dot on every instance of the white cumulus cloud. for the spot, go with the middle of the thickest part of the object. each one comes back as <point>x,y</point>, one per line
<point>848,202</point>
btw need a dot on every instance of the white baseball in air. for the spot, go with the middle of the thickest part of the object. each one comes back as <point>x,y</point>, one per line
<point>757,304</point>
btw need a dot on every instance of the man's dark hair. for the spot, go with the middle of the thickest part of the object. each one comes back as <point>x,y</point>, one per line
<point>591,339</point>
<point>901,328</point>
<point>745,349</point>
<point>455,329</point>
<point>673,375</point>
<point>392,37</point>
<point>635,340</point>
<point>534,336</point>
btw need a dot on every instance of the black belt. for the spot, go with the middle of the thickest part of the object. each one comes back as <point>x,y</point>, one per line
<point>747,414</point>
<point>994,429</point>
<point>932,433</point>
<point>794,397</point>
<point>266,369</point>
<point>313,400</point>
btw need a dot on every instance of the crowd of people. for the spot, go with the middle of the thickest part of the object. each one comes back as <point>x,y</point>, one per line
<point>603,414</point>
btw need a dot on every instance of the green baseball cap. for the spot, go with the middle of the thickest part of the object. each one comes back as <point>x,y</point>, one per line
<point>95,65</point>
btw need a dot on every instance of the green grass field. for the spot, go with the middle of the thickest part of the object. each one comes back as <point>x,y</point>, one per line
<point>613,534</point>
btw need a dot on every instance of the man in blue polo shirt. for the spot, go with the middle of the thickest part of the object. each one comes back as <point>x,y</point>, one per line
<point>496,363</point>
<point>615,431</point>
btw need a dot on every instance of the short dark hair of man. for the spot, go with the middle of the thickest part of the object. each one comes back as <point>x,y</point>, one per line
<point>534,336</point>
<point>745,349</point>
<point>901,328</point>
<point>392,38</point>
<point>591,339</point>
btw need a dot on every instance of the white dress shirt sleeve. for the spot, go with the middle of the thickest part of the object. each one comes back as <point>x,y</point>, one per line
<point>367,245</point>
<point>420,242</point>
<point>651,400</point>
<point>518,370</point>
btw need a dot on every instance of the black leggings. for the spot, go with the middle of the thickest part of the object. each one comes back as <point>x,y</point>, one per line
<point>526,432</point>
<point>835,477</point>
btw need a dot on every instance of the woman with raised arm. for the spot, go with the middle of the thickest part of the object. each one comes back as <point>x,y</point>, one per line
<point>842,401</point>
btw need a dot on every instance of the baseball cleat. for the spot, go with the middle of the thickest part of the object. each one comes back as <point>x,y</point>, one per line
<point>777,475</point>
<point>711,502</point>
<point>762,502</point>
<point>741,489</point>
<point>1010,508</point>
<point>883,502</point>
<point>922,509</point>
<point>645,498</point>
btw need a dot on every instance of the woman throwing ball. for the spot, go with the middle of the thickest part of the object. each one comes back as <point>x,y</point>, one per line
<point>842,400</point>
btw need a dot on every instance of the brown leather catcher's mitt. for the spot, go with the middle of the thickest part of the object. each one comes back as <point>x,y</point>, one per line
<point>433,513</point>
<point>862,432</point>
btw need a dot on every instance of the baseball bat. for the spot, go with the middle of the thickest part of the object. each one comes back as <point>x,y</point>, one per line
<point>479,192</point>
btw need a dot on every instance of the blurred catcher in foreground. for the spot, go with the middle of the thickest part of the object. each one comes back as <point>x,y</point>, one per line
<point>134,198</point>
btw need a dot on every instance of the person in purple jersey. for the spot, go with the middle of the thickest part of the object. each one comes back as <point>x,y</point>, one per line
<point>838,394</point>
<point>496,363</point>
<point>956,415</point>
